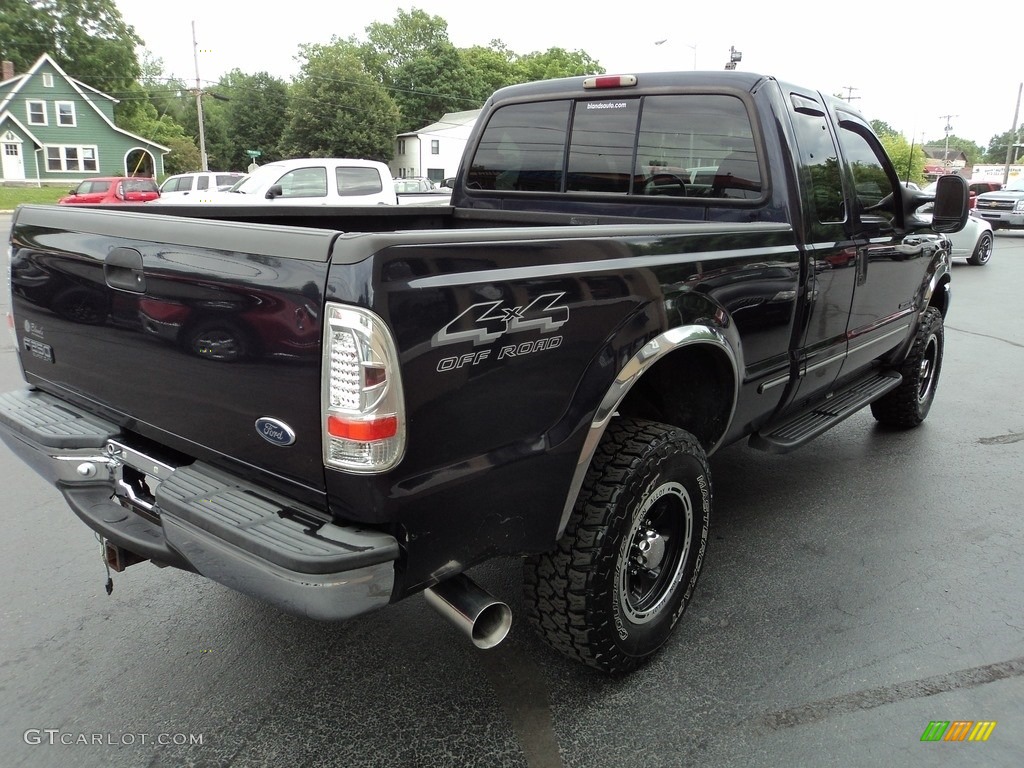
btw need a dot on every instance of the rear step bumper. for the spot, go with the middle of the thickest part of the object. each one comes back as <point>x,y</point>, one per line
<point>199,518</point>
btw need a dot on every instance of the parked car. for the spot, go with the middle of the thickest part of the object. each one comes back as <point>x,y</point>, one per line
<point>416,190</point>
<point>1004,207</point>
<point>975,188</point>
<point>974,242</point>
<point>308,181</point>
<point>112,189</point>
<point>184,184</point>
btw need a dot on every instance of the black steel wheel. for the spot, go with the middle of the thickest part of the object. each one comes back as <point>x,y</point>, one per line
<point>626,567</point>
<point>908,404</point>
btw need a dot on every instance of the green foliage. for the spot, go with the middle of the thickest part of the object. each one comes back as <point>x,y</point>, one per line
<point>88,39</point>
<point>389,47</point>
<point>256,116</point>
<point>882,128</point>
<point>973,152</point>
<point>337,109</point>
<point>557,62</point>
<point>997,146</point>
<point>909,163</point>
<point>427,86</point>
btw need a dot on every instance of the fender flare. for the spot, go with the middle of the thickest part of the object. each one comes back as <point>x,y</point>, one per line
<point>653,351</point>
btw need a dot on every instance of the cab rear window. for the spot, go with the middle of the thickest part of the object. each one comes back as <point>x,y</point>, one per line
<point>679,145</point>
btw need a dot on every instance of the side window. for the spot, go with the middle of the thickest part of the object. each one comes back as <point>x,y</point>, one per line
<point>304,182</point>
<point>872,173</point>
<point>699,145</point>
<point>819,156</point>
<point>522,148</point>
<point>357,181</point>
<point>601,148</point>
<point>203,182</point>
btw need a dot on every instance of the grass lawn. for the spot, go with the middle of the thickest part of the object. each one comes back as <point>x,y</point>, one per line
<point>12,197</point>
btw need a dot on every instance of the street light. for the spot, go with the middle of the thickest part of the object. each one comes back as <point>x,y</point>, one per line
<point>735,57</point>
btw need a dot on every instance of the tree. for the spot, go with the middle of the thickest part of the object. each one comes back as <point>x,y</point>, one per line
<point>489,69</point>
<point>997,146</point>
<point>427,86</point>
<point>882,128</point>
<point>557,62</point>
<point>971,151</point>
<point>909,163</point>
<point>255,116</point>
<point>390,46</point>
<point>337,109</point>
<point>87,38</point>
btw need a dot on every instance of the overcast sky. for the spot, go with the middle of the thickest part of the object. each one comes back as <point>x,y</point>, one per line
<point>906,63</point>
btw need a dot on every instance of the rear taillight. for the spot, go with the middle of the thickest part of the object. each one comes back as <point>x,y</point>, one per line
<point>363,409</point>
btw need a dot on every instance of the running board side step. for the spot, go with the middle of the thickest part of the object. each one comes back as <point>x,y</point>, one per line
<point>822,416</point>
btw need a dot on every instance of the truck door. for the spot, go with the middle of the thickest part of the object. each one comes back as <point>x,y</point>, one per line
<point>890,263</point>
<point>821,343</point>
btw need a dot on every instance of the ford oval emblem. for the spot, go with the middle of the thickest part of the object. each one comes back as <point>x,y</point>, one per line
<point>274,431</point>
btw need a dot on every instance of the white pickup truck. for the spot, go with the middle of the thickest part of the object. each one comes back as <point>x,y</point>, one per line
<point>309,181</point>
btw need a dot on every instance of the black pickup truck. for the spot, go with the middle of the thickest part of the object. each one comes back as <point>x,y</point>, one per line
<point>335,410</point>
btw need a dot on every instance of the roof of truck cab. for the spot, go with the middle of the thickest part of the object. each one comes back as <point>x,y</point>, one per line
<point>646,81</point>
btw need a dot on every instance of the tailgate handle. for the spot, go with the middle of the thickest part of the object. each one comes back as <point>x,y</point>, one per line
<point>122,270</point>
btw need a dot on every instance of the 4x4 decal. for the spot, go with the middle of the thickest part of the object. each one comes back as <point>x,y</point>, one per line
<point>490,320</point>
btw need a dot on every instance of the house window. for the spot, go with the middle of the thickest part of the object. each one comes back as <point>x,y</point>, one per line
<point>72,159</point>
<point>435,146</point>
<point>401,146</point>
<point>47,80</point>
<point>37,113</point>
<point>65,113</point>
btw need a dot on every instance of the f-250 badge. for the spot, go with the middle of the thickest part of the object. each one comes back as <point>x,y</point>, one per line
<point>487,321</point>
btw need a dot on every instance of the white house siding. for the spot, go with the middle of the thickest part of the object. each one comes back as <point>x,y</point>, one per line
<point>451,133</point>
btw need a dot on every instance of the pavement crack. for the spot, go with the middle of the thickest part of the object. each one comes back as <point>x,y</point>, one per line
<point>1011,437</point>
<point>986,336</point>
<point>871,698</point>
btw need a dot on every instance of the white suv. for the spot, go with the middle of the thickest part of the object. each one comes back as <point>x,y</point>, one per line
<point>195,185</point>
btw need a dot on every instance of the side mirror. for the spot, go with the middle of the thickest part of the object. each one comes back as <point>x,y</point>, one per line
<point>274,191</point>
<point>951,208</point>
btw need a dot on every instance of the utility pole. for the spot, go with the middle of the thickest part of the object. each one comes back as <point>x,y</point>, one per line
<point>949,130</point>
<point>1015,133</point>
<point>849,93</point>
<point>199,103</point>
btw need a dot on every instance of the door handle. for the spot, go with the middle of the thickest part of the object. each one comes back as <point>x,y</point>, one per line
<point>122,270</point>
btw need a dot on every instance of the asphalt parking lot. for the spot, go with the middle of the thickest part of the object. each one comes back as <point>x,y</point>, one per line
<point>854,592</point>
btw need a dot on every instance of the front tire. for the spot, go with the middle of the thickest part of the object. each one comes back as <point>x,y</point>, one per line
<point>908,404</point>
<point>623,572</point>
<point>982,251</point>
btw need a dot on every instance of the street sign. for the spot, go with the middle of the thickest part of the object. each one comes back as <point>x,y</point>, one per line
<point>253,152</point>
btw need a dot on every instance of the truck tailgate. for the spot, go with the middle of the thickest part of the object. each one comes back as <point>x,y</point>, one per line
<point>196,334</point>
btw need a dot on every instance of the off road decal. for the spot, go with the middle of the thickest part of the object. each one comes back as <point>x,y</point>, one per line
<point>489,320</point>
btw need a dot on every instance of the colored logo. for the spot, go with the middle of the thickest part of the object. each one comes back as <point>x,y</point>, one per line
<point>958,730</point>
<point>274,431</point>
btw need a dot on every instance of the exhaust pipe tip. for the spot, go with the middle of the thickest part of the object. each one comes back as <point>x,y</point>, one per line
<point>484,619</point>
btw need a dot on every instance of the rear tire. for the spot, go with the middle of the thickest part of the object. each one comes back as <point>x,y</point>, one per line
<point>982,251</point>
<point>908,404</point>
<point>622,574</point>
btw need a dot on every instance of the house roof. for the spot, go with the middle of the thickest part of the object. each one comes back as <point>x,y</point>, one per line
<point>458,121</point>
<point>8,115</point>
<point>80,88</point>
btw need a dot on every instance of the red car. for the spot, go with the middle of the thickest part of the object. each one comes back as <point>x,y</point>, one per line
<point>113,189</point>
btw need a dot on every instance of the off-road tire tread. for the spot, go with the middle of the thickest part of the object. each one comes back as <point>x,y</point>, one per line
<point>900,407</point>
<point>557,584</point>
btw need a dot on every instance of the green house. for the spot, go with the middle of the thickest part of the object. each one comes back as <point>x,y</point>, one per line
<point>55,129</point>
